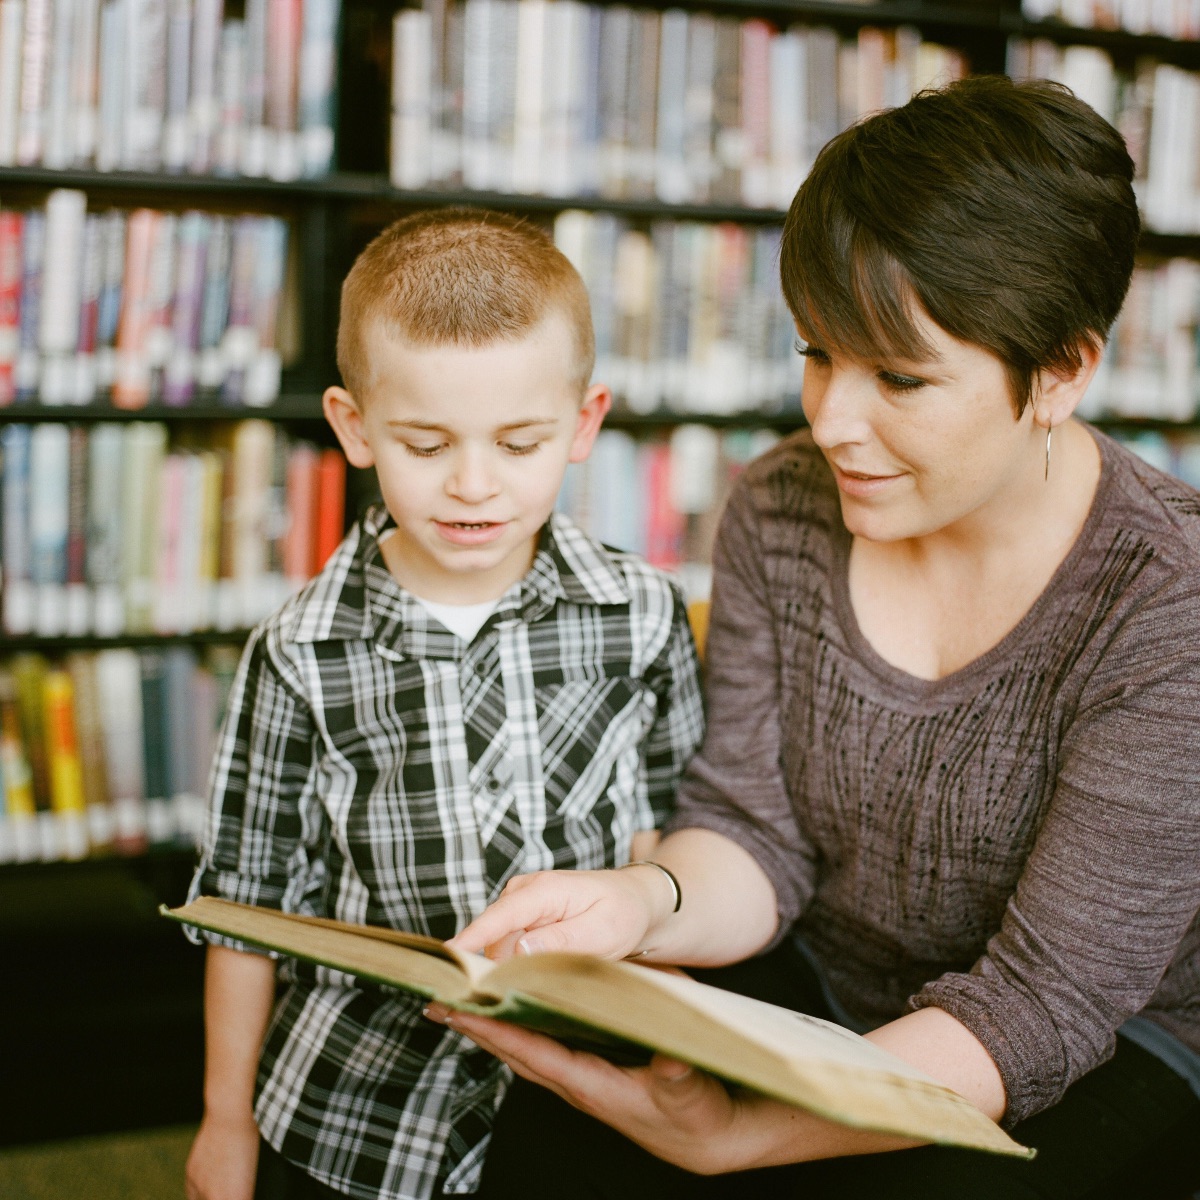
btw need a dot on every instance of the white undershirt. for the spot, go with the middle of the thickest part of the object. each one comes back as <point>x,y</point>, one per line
<point>464,619</point>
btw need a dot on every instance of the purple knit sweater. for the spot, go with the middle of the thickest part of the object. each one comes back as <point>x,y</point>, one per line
<point>1017,843</point>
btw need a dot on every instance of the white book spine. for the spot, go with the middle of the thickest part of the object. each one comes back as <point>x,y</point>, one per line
<point>12,19</point>
<point>56,148</point>
<point>110,135</point>
<point>85,51</point>
<point>35,70</point>
<point>179,67</point>
<point>671,178</point>
<point>412,86</point>
<point>145,85</point>
<point>789,95</point>
<point>202,101</point>
<point>231,75</point>
<point>477,89</point>
<point>49,473</point>
<point>58,335</point>
<point>530,95</point>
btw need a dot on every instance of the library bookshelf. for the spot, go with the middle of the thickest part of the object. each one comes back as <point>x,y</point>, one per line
<point>78,907</point>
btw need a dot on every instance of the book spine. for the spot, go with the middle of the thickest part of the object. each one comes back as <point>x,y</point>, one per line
<point>284,155</point>
<point>202,108</point>
<point>145,449</point>
<point>106,470</point>
<point>89,732</point>
<point>477,67</point>
<point>530,99</point>
<point>119,686</point>
<point>78,600</point>
<point>83,382</point>
<point>57,139</point>
<point>145,85</point>
<point>756,81</point>
<point>35,70</point>
<point>179,373</point>
<point>214,311</point>
<point>61,292</point>
<point>20,808</point>
<point>131,384</point>
<point>303,481</point>
<point>178,85</point>
<point>238,342</point>
<point>270,265</point>
<point>10,302</point>
<point>18,593</point>
<point>108,305</point>
<point>49,474</point>
<point>253,448</point>
<point>110,133</point>
<point>29,676</point>
<point>26,369</point>
<point>253,148</point>
<point>231,84</point>
<point>317,83</point>
<point>85,82</point>
<point>412,63</point>
<point>331,499</point>
<point>184,736</point>
<point>66,772</point>
<point>12,20</point>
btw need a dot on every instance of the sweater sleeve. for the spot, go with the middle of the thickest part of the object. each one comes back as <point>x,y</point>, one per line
<point>1113,881</point>
<point>735,786</point>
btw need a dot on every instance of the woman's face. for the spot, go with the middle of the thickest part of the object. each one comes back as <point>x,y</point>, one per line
<point>921,447</point>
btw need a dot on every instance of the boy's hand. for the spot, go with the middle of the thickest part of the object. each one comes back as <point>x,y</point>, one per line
<point>606,913</point>
<point>223,1161</point>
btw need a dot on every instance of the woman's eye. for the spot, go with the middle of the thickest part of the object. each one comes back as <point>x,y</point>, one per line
<point>422,451</point>
<point>812,353</point>
<point>520,447</point>
<point>900,383</point>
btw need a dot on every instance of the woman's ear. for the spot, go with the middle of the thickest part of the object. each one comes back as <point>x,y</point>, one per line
<point>1057,393</point>
<point>346,418</point>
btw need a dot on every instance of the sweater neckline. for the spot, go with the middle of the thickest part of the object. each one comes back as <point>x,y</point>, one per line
<point>965,678</point>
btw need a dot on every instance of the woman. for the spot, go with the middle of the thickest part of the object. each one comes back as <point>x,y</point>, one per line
<point>952,778</point>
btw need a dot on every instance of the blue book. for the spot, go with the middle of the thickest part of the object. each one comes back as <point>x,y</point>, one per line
<point>19,597</point>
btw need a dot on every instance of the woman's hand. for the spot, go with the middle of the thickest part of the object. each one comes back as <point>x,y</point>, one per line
<point>606,913</point>
<point>223,1161</point>
<point>676,1112</point>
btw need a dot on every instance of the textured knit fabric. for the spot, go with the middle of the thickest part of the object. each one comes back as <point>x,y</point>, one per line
<point>374,767</point>
<point>1017,843</point>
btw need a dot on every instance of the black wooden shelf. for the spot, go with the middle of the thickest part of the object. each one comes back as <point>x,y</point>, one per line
<point>15,643</point>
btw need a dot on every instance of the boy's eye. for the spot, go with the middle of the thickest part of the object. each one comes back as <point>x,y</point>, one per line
<point>520,447</point>
<point>423,451</point>
<point>899,383</point>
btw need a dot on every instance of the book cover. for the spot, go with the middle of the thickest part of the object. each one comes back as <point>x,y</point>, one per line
<point>626,1010</point>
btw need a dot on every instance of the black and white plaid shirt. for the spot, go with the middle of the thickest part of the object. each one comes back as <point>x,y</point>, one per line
<point>374,767</point>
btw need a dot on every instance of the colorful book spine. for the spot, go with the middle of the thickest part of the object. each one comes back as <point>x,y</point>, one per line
<point>17,591</point>
<point>10,302</point>
<point>67,799</point>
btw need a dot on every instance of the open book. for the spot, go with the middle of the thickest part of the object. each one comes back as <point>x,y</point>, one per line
<point>623,1009</point>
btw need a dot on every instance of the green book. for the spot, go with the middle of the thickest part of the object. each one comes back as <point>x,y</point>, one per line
<point>625,1010</point>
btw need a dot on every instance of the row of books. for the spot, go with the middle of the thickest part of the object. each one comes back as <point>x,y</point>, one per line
<point>1169,18</point>
<point>107,751</point>
<point>109,528</point>
<point>1151,366</point>
<point>148,85</point>
<point>1156,106</point>
<point>573,99</point>
<point>662,496</point>
<point>144,305</point>
<point>688,316</point>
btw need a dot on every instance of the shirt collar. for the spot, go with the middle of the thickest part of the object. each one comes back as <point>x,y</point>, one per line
<point>371,605</point>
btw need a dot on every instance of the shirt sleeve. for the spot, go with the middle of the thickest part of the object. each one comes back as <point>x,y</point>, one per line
<point>1113,881</point>
<point>735,785</point>
<point>679,721</point>
<point>265,826</point>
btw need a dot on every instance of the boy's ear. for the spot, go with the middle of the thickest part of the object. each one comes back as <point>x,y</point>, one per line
<point>1057,393</point>
<point>597,400</point>
<point>344,415</point>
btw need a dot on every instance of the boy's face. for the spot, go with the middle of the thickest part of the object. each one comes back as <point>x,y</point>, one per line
<point>470,446</point>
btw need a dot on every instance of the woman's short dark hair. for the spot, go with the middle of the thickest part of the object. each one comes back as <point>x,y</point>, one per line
<point>1006,209</point>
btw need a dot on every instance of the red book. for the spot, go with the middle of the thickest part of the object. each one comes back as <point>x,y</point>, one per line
<point>665,525</point>
<point>10,300</point>
<point>131,388</point>
<point>303,492</point>
<point>331,506</point>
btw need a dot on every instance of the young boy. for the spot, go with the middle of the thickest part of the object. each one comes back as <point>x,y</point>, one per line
<point>471,689</point>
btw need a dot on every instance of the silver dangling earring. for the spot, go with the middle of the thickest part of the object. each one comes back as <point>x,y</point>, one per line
<point>1049,431</point>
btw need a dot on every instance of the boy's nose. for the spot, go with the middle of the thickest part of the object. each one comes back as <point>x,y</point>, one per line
<point>472,479</point>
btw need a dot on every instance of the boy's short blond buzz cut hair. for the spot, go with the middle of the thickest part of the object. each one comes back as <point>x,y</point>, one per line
<point>458,276</point>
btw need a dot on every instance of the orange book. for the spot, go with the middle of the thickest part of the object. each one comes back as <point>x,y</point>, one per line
<point>66,771</point>
<point>303,491</point>
<point>331,506</point>
<point>131,387</point>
